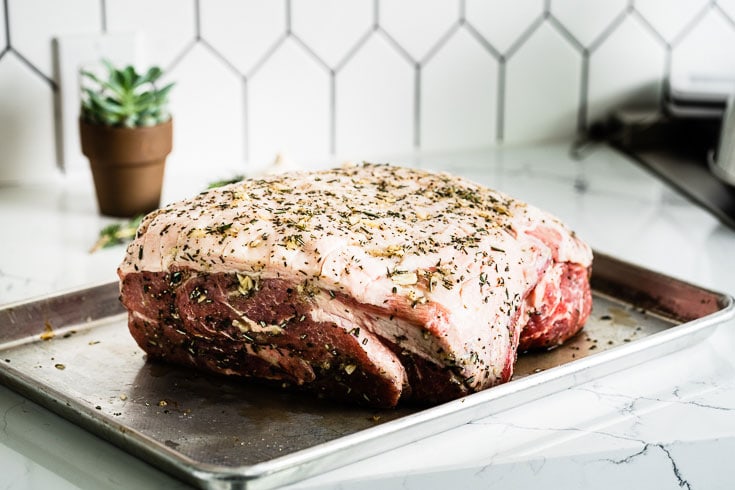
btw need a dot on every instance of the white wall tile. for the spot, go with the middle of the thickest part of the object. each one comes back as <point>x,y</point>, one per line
<point>34,23</point>
<point>417,25</point>
<point>542,89</point>
<point>289,108</point>
<point>375,89</point>
<point>242,30</point>
<point>331,27</point>
<point>622,77</point>
<point>502,22</point>
<point>26,119</point>
<point>667,17</point>
<point>458,96</point>
<point>208,110</point>
<point>375,102</point>
<point>728,6</point>
<point>587,19</point>
<point>707,49</point>
<point>168,25</point>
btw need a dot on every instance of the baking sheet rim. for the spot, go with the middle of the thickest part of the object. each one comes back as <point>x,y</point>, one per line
<point>282,469</point>
<point>696,328</point>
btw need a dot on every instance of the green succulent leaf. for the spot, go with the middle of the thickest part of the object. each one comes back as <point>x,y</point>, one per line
<point>125,98</point>
<point>117,233</point>
<point>163,92</point>
<point>129,77</point>
<point>220,183</point>
<point>153,74</point>
<point>92,76</point>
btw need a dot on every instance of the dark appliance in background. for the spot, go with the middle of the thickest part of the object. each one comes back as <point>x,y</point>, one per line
<point>685,142</point>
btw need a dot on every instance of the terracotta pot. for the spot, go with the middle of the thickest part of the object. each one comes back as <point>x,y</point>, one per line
<point>127,165</point>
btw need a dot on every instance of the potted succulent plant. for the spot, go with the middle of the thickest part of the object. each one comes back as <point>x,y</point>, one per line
<point>126,133</point>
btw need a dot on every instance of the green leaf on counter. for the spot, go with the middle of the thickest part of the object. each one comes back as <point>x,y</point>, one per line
<point>123,232</point>
<point>117,233</point>
<point>220,183</point>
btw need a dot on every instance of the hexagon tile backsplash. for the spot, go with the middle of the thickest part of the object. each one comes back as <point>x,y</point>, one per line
<point>361,79</point>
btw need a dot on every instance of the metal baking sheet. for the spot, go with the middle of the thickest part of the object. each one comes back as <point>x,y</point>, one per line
<point>72,354</point>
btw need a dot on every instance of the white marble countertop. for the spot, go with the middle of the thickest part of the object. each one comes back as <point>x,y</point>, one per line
<point>667,423</point>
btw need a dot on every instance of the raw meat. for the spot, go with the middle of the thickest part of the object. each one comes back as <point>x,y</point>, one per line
<point>373,284</point>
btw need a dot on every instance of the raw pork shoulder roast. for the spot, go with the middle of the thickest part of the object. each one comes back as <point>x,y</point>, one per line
<point>372,284</point>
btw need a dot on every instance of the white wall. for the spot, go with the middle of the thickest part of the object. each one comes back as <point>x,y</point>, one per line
<point>359,79</point>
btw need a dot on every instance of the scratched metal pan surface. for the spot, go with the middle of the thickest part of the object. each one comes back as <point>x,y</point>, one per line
<point>72,354</point>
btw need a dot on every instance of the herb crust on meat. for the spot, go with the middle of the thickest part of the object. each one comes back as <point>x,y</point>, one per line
<point>372,283</point>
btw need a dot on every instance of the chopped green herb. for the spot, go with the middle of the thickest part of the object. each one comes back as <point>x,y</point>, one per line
<point>117,233</point>
<point>220,183</point>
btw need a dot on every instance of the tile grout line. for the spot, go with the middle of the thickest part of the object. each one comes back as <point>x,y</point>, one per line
<point>646,24</point>
<point>583,94</point>
<point>443,40</point>
<point>103,16</point>
<point>287,16</point>
<point>417,106</point>
<point>525,36</point>
<point>245,121</point>
<point>481,40</point>
<point>693,22</point>
<point>266,56</point>
<point>332,112</point>
<point>9,49</point>
<point>565,33</point>
<point>197,39</point>
<point>634,13</point>
<point>220,57</point>
<point>197,20</point>
<point>503,66</point>
<point>609,30</point>
<point>333,84</point>
<point>6,11</point>
<point>724,14</point>
<point>401,51</point>
<point>417,80</point>
<point>353,50</point>
<point>243,79</point>
<point>307,49</point>
<point>288,12</point>
<point>34,69</point>
<point>179,57</point>
<point>396,46</point>
<point>666,75</point>
<point>500,114</point>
